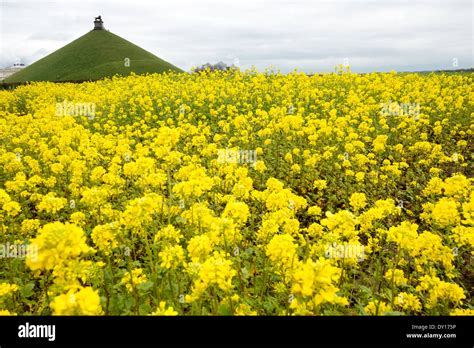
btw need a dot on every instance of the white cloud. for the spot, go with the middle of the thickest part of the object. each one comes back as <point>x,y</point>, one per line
<point>306,34</point>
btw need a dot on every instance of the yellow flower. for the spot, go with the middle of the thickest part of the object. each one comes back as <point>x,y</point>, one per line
<point>314,211</point>
<point>139,211</point>
<point>244,309</point>
<point>30,225</point>
<point>396,276</point>
<point>341,224</point>
<point>360,176</point>
<point>57,168</point>
<point>6,312</point>
<point>358,201</point>
<point>216,270</point>
<point>56,242</point>
<point>84,301</point>
<point>440,290</point>
<point>12,208</point>
<point>94,197</point>
<point>260,166</point>
<point>134,278</point>
<point>281,250</point>
<point>51,204</point>
<point>428,247</point>
<point>463,235</point>
<point>73,273</point>
<point>408,302</point>
<point>320,184</point>
<point>171,256</point>
<point>445,212</point>
<point>103,237</point>
<point>4,197</point>
<point>163,311</point>
<point>468,211</point>
<point>403,234</point>
<point>434,187</point>
<point>195,183</point>
<point>6,288</point>
<point>377,308</point>
<point>304,278</point>
<point>168,234</point>
<point>295,168</point>
<point>238,211</point>
<point>317,279</point>
<point>78,218</point>
<point>379,143</point>
<point>456,185</point>
<point>199,247</point>
<point>244,232</point>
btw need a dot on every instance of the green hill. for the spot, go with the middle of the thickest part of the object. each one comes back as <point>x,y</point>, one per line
<point>93,56</point>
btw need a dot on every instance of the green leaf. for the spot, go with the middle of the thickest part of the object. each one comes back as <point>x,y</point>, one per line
<point>249,251</point>
<point>144,309</point>
<point>27,290</point>
<point>145,286</point>
<point>224,310</point>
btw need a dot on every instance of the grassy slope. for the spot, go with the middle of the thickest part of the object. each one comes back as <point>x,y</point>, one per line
<point>95,55</point>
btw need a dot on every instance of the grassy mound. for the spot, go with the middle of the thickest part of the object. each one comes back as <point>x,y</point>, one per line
<point>95,55</point>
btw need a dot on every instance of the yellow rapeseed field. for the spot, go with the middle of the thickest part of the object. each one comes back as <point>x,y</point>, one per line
<point>238,193</point>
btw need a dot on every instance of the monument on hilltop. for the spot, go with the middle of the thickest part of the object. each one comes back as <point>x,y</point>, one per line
<point>98,23</point>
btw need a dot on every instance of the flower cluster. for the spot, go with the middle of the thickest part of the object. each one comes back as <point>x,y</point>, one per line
<point>328,206</point>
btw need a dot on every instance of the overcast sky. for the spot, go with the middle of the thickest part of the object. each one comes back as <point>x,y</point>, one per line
<point>308,35</point>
